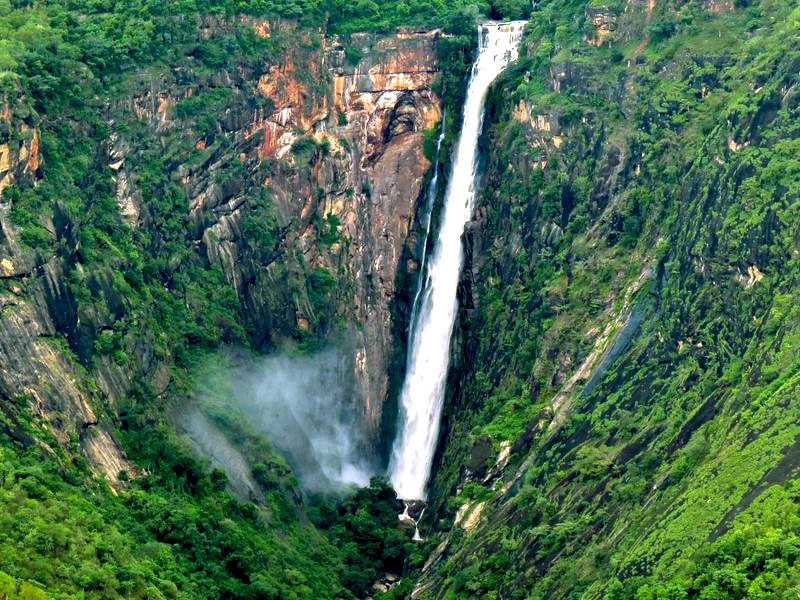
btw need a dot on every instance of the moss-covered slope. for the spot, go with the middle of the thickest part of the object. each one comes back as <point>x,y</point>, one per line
<point>625,416</point>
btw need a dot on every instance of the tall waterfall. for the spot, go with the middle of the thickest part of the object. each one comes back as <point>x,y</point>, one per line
<point>422,395</point>
<point>432,191</point>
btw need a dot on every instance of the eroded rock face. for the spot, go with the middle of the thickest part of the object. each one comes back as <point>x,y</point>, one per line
<point>366,167</point>
<point>388,103</point>
<point>36,309</point>
<point>129,198</point>
<point>19,158</point>
<point>36,371</point>
<point>372,121</point>
<point>320,137</point>
<point>604,21</point>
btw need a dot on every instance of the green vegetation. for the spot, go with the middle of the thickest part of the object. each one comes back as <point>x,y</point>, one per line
<point>364,528</point>
<point>348,17</point>
<point>145,295</point>
<point>173,530</point>
<point>178,539</point>
<point>633,340</point>
<point>634,347</point>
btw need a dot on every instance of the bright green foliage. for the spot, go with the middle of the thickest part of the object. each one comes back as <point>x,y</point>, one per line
<point>366,15</point>
<point>149,294</point>
<point>634,340</point>
<point>10,589</point>
<point>364,528</point>
<point>190,541</point>
<point>655,242</point>
<point>758,558</point>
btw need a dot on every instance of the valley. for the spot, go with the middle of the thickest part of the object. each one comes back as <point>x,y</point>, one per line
<point>406,299</point>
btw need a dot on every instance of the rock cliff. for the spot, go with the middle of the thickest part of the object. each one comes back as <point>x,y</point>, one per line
<point>37,367</point>
<point>618,417</point>
<point>329,132</point>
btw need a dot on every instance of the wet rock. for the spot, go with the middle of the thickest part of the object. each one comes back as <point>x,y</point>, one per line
<point>384,584</point>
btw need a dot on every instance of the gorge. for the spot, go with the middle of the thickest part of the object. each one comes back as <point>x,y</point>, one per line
<point>274,273</point>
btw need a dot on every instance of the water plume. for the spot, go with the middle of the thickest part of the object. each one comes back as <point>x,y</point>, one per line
<point>305,405</point>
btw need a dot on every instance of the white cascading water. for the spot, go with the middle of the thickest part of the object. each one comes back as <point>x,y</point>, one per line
<point>422,395</point>
<point>432,191</point>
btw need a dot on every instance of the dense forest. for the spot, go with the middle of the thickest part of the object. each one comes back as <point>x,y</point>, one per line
<point>621,420</point>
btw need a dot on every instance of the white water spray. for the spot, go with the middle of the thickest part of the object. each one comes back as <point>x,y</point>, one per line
<point>432,190</point>
<point>422,394</point>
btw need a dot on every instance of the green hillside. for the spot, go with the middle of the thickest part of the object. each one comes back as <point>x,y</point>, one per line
<point>634,338</point>
<point>623,410</point>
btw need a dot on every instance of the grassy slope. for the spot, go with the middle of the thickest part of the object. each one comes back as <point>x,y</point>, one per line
<point>676,177</point>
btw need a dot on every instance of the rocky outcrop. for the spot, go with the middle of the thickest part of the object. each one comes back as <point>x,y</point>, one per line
<point>388,103</point>
<point>546,129</point>
<point>19,157</point>
<point>366,169</point>
<point>604,21</point>
<point>20,162</point>
<point>333,143</point>
<point>719,6</point>
<point>36,370</point>
<point>129,198</point>
<point>37,311</point>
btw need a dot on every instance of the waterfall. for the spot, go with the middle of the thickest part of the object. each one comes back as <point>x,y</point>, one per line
<point>422,394</point>
<point>432,191</point>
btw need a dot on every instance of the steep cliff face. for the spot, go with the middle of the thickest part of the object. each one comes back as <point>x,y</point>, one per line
<point>300,186</point>
<point>343,150</point>
<point>38,372</point>
<point>388,103</point>
<point>366,124</point>
<point>621,425</point>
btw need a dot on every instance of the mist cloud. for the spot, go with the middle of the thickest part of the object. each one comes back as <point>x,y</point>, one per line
<point>305,405</point>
